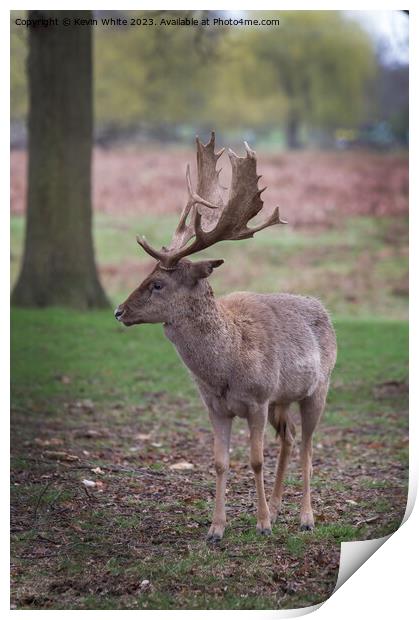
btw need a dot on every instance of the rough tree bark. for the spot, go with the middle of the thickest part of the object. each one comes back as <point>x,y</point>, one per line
<point>58,266</point>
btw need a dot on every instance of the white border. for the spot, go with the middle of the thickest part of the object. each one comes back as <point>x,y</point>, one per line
<point>386,585</point>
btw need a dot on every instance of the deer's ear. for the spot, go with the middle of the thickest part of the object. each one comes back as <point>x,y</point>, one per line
<point>203,268</point>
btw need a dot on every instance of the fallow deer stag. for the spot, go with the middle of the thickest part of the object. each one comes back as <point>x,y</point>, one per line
<point>251,355</point>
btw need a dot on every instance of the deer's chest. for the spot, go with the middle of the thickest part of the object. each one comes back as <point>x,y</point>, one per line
<point>228,401</point>
<point>208,360</point>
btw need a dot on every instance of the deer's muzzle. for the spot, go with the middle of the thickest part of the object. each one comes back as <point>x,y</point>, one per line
<point>118,313</point>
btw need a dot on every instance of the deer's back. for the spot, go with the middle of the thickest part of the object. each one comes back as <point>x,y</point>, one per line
<point>289,337</point>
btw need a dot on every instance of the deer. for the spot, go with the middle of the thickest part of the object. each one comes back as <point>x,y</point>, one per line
<point>251,355</point>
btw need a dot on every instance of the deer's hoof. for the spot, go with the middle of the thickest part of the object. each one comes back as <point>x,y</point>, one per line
<point>213,539</point>
<point>264,531</point>
<point>263,525</point>
<point>307,522</point>
<point>215,533</point>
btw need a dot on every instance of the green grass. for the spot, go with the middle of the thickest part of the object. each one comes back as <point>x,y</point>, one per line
<point>93,353</point>
<point>63,353</point>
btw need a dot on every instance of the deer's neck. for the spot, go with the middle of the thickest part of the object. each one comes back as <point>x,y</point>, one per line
<point>203,336</point>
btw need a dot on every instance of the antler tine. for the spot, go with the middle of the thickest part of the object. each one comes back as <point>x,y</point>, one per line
<point>184,232</point>
<point>158,255</point>
<point>211,144</point>
<point>273,219</point>
<point>193,196</point>
<point>249,151</point>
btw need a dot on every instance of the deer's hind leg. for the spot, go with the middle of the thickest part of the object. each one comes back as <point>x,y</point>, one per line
<point>311,409</point>
<point>280,418</point>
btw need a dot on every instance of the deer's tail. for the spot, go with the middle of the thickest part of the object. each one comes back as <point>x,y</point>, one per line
<point>281,419</point>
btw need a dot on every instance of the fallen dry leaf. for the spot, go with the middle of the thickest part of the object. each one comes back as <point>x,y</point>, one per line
<point>97,470</point>
<point>89,483</point>
<point>64,379</point>
<point>91,433</point>
<point>370,520</point>
<point>54,441</point>
<point>86,404</point>
<point>60,456</point>
<point>181,465</point>
<point>145,584</point>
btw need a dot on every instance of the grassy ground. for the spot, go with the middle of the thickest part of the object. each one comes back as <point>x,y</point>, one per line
<point>358,267</point>
<point>89,394</point>
<point>92,400</point>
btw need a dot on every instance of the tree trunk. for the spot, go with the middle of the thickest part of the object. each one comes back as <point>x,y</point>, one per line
<point>292,131</point>
<point>58,266</point>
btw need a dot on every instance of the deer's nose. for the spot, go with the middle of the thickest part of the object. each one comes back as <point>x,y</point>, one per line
<point>118,313</point>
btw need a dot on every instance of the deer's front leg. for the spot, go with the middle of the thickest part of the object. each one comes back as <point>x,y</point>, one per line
<point>257,424</point>
<point>222,432</point>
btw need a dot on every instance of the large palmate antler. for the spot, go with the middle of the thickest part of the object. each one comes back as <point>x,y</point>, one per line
<point>210,220</point>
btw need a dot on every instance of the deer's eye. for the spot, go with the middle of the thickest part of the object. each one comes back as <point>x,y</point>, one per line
<point>156,286</point>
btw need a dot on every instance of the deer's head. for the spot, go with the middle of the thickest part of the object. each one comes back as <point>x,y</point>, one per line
<point>205,220</point>
<point>165,293</point>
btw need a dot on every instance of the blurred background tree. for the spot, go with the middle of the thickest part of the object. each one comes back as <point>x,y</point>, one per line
<point>295,84</point>
<point>322,63</point>
<point>58,266</point>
